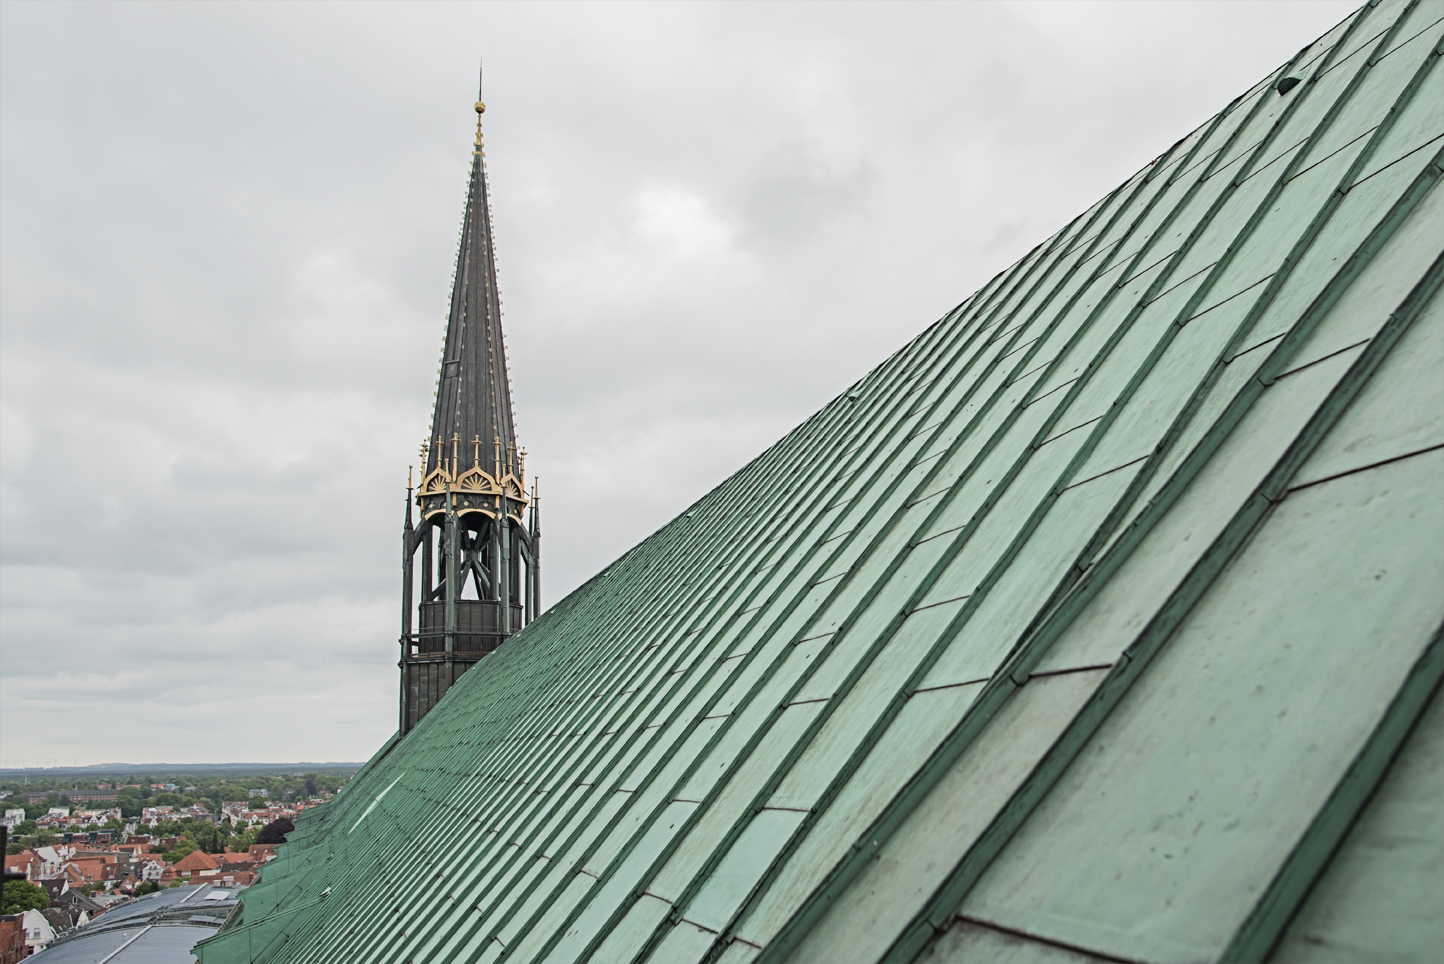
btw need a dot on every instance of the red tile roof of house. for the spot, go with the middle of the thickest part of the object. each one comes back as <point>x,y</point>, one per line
<point>20,863</point>
<point>197,860</point>
<point>93,868</point>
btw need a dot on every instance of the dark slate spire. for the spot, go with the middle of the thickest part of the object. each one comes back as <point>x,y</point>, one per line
<point>479,575</point>
<point>472,425</point>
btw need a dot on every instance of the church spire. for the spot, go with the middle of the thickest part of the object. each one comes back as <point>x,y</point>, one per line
<point>478,578</point>
<point>472,423</point>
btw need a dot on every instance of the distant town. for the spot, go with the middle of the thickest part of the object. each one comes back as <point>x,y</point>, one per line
<point>74,848</point>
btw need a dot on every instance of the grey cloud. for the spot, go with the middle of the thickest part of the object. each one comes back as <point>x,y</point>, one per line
<point>794,193</point>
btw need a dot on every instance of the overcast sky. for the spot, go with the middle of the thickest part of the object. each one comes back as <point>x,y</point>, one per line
<point>226,238</point>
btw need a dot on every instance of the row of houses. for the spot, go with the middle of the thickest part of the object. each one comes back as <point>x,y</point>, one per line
<point>62,818</point>
<point>123,867</point>
<point>242,813</point>
<point>239,812</point>
<point>150,816</point>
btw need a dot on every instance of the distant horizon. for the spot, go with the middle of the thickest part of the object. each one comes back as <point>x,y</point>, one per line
<point>105,767</point>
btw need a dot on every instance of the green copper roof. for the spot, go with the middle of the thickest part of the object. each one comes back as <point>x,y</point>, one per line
<point>1100,622</point>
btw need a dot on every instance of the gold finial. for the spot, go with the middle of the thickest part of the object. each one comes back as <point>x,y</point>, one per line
<point>423,455</point>
<point>496,453</point>
<point>476,451</point>
<point>408,478</point>
<point>480,107</point>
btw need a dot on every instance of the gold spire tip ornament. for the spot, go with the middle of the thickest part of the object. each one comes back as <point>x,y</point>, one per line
<point>480,107</point>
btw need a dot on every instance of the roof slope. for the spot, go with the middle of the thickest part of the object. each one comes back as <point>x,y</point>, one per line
<point>1082,628</point>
